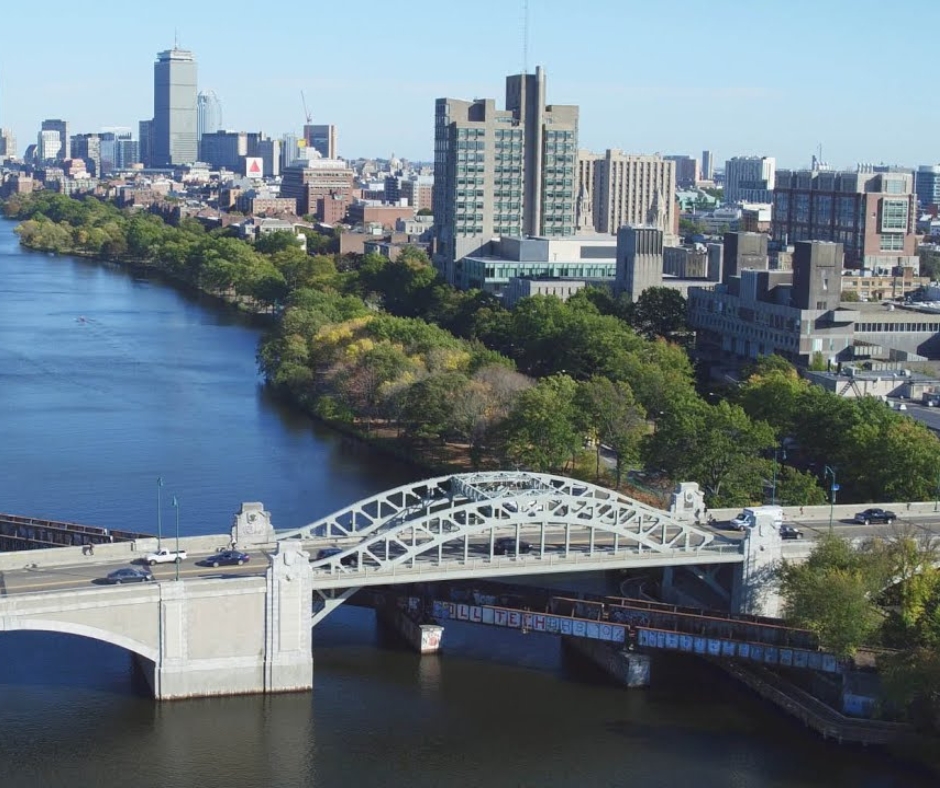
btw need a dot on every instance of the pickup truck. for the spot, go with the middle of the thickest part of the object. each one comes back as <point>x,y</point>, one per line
<point>165,557</point>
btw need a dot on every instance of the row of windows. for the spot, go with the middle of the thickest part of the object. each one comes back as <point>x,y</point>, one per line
<point>892,243</point>
<point>882,328</point>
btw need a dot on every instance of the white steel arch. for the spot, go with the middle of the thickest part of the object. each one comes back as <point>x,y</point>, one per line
<point>467,524</point>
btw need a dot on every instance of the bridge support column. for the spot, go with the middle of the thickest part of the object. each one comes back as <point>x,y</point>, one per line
<point>423,638</point>
<point>629,668</point>
<point>756,587</point>
<point>237,636</point>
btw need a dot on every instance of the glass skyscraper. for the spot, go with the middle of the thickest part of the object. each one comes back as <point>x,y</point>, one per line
<point>208,113</point>
<point>174,108</point>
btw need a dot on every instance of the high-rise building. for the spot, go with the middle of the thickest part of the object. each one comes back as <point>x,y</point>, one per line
<point>687,171</point>
<point>208,113</point>
<point>7,145</point>
<point>749,179</point>
<point>622,189</point>
<point>502,172</point>
<point>927,185</point>
<point>61,127</point>
<point>872,214</point>
<point>119,149</point>
<point>322,139</point>
<point>174,109</point>
<point>224,149</point>
<point>145,135</point>
<point>48,146</point>
<point>708,165</point>
<point>87,147</point>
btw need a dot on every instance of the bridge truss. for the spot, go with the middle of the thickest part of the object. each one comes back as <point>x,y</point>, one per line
<point>497,524</point>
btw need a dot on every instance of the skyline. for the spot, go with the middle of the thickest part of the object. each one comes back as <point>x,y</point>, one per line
<point>823,76</point>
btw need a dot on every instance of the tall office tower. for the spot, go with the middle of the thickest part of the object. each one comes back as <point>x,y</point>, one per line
<point>145,135</point>
<point>639,260</point>
<point>927,185</point>
<point>48,146</point>
<point>208,113</point>
<point>750,179</point>
<point>322,139</point>
<point>224,149</point>
<point>88,148</point>
<point>7,145</point>
<point>270,153</point>
<point>62,128</point>
<point>174,108</point>
<point>119,149</point>
<point>502,172</point>
<point>290,150</point>
<point>625,187</point>
<point>872,214</point>
<point>687,171</point>
<point>708,165</point>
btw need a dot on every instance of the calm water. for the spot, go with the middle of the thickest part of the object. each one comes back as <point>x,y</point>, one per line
<point>108,381</point>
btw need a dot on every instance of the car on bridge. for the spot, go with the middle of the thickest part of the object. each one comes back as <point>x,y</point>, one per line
<point>790,532</point>
<point>506,545</point>
<point>329,552</point>
<point>129,574</point>
<point>870,516</point>
<point>225,558</point>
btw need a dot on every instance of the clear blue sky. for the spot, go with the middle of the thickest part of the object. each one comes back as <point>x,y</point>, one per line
<point>739,77</point>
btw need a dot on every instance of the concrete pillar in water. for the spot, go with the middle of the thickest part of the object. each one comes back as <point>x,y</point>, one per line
<point>629,668</point>
<point>423,638</point>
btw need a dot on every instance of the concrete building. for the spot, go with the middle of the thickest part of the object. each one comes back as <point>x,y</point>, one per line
<point>524,287</point>
<point>208,113</point>
<point>621,189</point>
<point>757,312</point>
<point>927,185</point>
<point>743,250</point>
<point>174,109</point>
<point>639,260</point>
<point>145,135</point>
<point>872,215</point>
<point>502,172</point>
<point>687,171</point>
<point>322,139</point>
<point>749,179</point>
<point>61,127</point>
<point>323,187</point>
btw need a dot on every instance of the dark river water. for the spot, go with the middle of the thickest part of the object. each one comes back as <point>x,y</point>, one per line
<point>108,381</point>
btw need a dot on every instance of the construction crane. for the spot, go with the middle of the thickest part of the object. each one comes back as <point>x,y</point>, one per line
<point>306,111</point>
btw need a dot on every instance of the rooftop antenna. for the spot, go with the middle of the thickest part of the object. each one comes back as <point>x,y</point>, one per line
<point>525,36</point>
<point>176,38</point>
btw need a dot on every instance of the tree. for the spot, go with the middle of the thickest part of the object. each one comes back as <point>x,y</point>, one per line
<point>661,312</point>
<point>543,431</point>
<point>798,488</point>
<point>614,419</point>
<point>832,594</point>
<point>425,212</point>
<point>849,296</point>
<point>278,241</point>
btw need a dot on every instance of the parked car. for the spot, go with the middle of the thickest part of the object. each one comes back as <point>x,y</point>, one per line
<point>129,574</point>
<point>870,516</point>
<point>790,532</point>
<point>226,558</point>
<point>506,545</point>
<point>329,552</point>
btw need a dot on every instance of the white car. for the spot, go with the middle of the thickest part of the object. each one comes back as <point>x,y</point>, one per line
<point>165,557</point>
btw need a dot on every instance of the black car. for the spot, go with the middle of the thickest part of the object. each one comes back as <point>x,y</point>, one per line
<point>129,574</point>
<point>790,532</point>
<point>506,545</point>
<point>329,552</point>
<point>226,558</point>
<point>870,516</point>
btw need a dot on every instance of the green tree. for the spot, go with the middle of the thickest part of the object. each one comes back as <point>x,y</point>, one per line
<point>543,430</point>
<point>661,312</point>
<point>614,419</point>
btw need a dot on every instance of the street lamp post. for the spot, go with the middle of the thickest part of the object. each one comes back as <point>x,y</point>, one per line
<point>833,489</point>
<point>773,490</point>
<point>176,506</point>
<point>159,513</point>
<point>936,500</point>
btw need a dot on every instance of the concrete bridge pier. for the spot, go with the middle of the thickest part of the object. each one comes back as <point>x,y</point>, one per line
<point>628,668</point>
<point>425,638</point>
<point>245,636</point>
<point>756,586</point>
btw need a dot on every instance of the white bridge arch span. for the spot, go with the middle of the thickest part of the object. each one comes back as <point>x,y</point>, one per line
<point>497,524</point>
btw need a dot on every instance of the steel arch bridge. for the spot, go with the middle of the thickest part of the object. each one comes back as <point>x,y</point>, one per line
<point>496,524</point>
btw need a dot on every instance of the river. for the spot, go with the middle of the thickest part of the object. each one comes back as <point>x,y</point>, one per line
<point>108,381</point>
